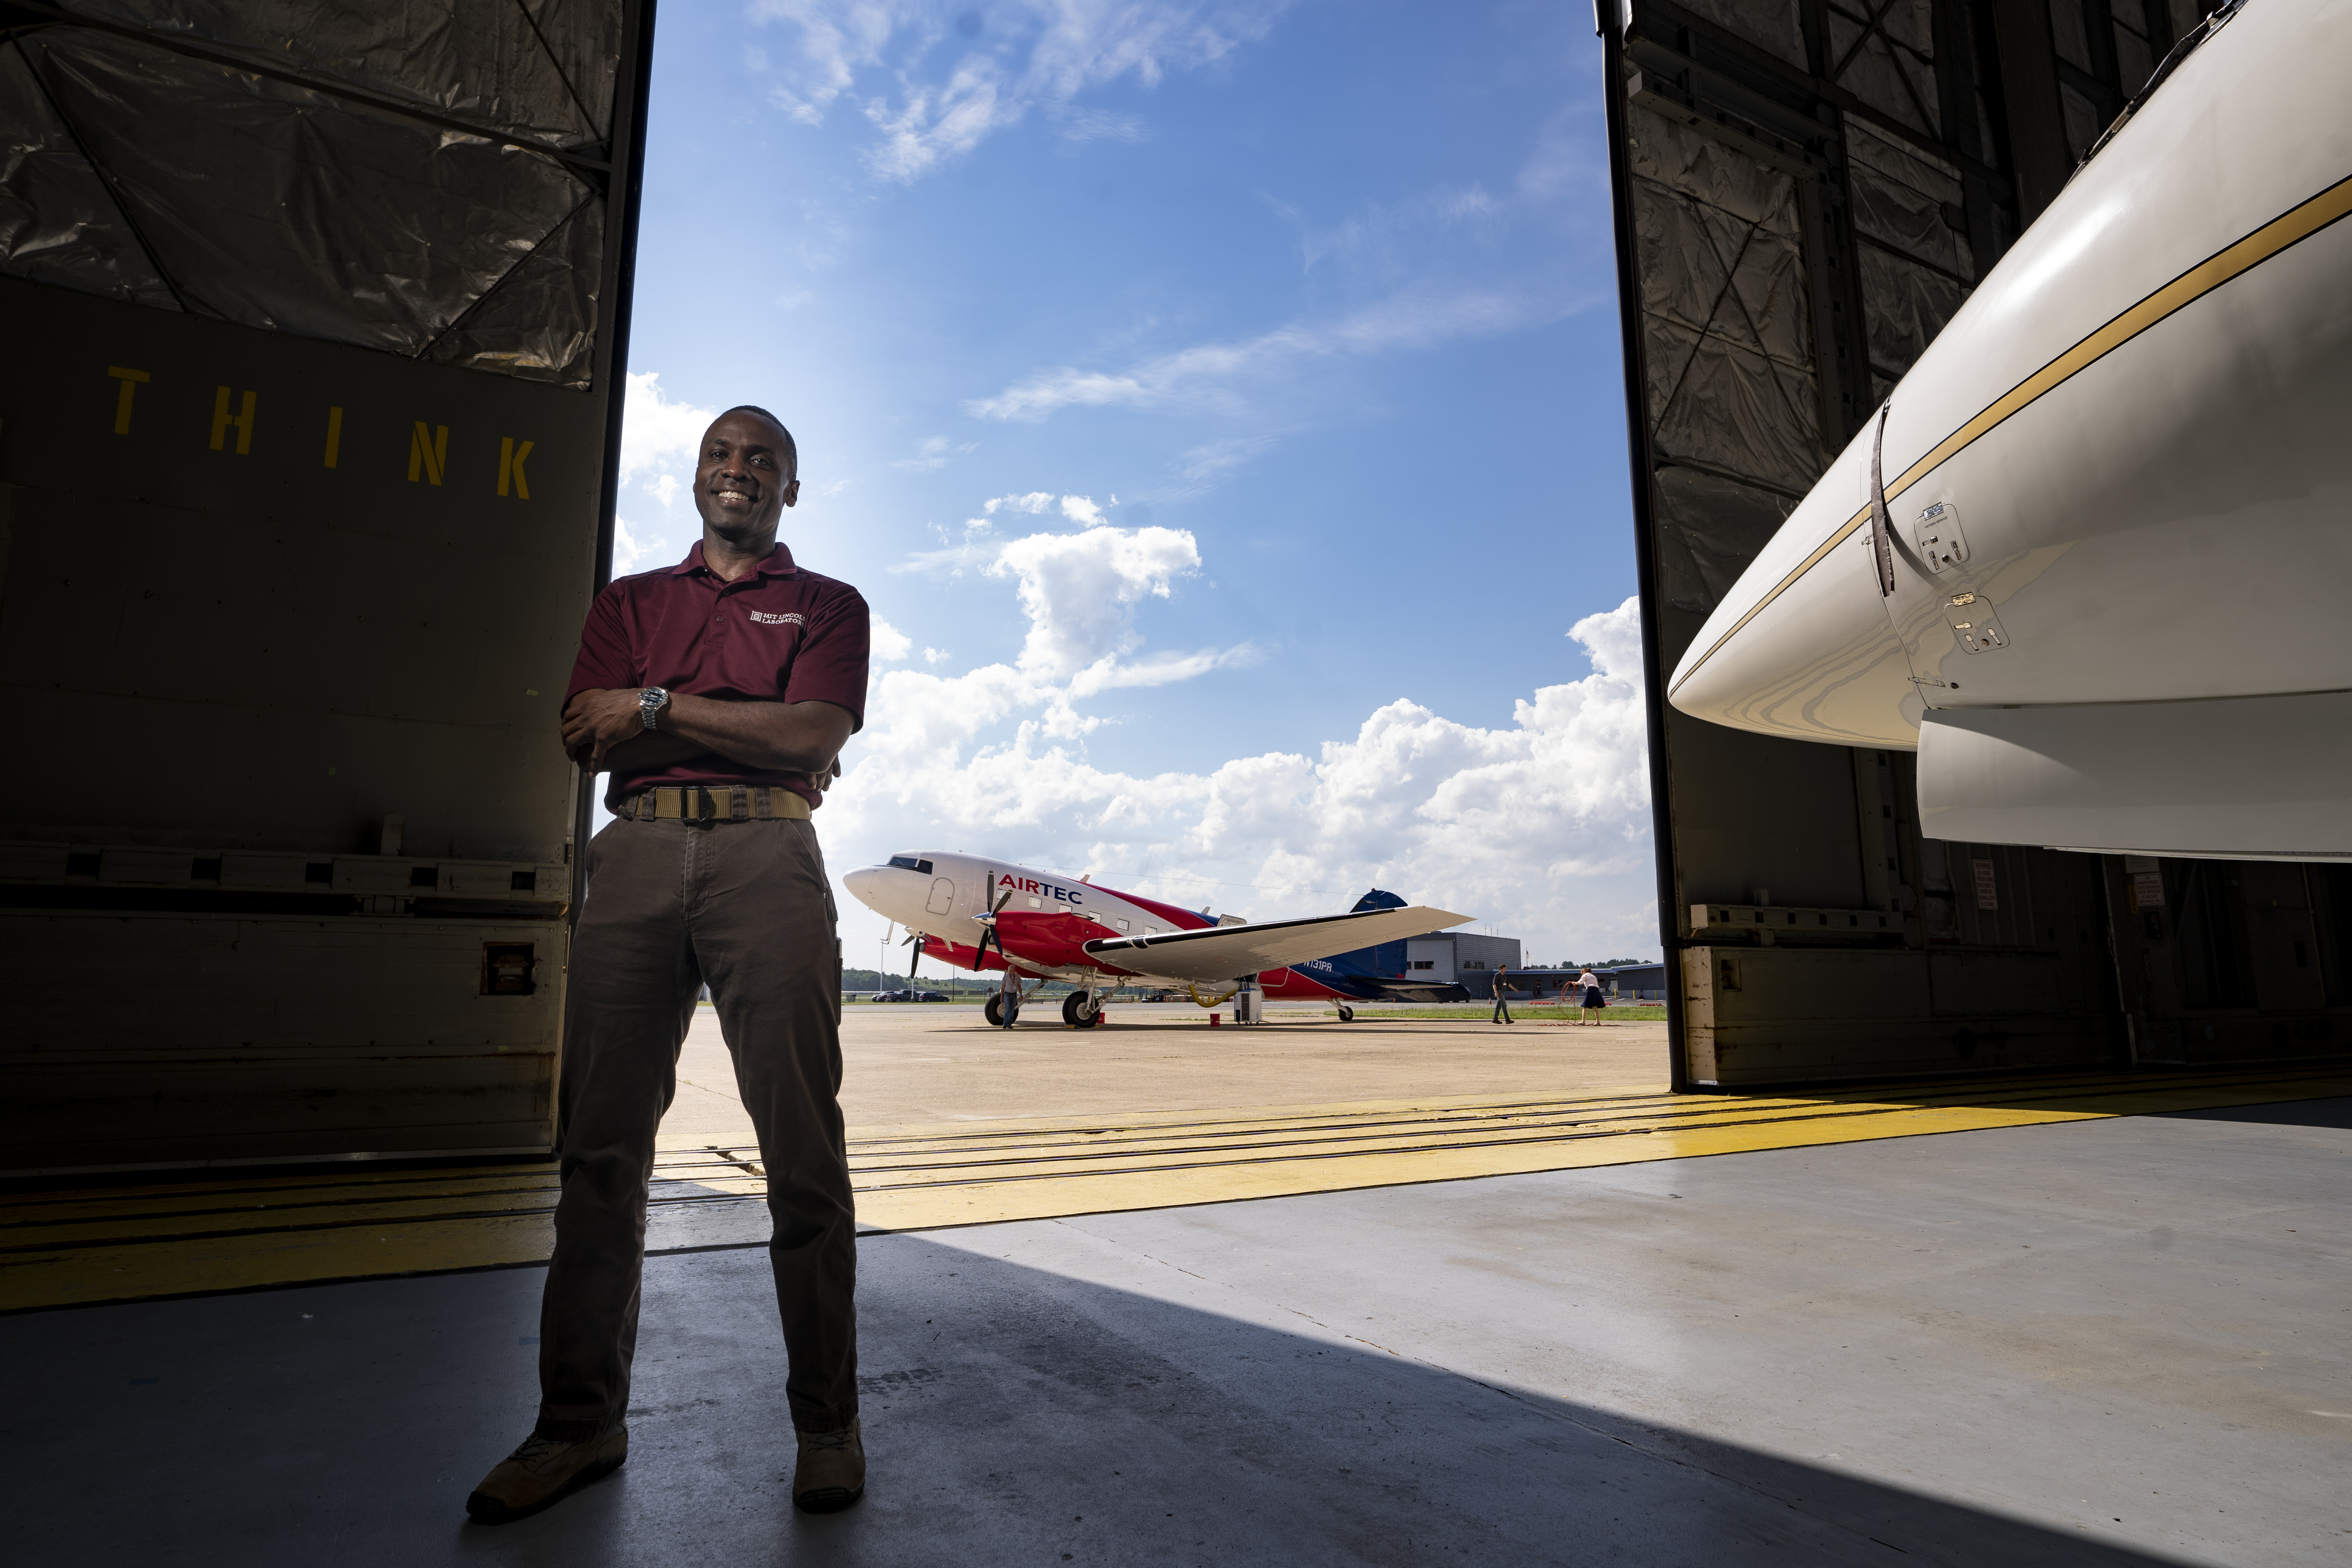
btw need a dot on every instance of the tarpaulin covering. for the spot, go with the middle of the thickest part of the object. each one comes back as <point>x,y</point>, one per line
<point>1719,241</point>
<point>1709,528</point>
<point>1777,25</point>
<point>1903,309</point>
<point>1915,262</point>
<point>1728,351</point>
<point>1885,55</point>
<point>425,179</point>
<point>1907,199</point>
<point>57,223</point>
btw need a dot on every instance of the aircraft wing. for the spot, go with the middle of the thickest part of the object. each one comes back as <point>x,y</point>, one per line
<point>1226,953</point>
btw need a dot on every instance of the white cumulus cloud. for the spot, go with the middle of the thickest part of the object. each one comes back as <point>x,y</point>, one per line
<point>659,438</point>
<point>936,80</point>
<point>1079,590</point>
<point>657,434</point>
<point>1540,826</point>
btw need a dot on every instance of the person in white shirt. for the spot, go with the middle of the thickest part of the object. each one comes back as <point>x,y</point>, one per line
<point>1590,984</point>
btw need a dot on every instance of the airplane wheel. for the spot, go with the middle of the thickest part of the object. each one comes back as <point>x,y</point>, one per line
<point>1076,1012</point>
<point>993,1010</point>
<point>1347,1014</point>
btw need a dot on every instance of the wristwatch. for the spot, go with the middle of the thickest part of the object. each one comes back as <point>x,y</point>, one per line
<point>650,703</point>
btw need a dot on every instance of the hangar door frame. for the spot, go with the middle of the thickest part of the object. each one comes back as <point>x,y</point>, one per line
<point>308,475</point>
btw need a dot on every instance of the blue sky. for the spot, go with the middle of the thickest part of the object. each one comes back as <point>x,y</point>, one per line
<point>1219,405</point>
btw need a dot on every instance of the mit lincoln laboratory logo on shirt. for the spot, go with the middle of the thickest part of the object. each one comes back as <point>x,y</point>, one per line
<point>789,618</point>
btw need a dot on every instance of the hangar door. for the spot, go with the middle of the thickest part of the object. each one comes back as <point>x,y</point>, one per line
<point>1805,191</point>
<point>314,322</point>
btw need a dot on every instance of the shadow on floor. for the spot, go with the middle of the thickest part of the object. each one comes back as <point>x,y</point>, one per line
<point>1014,1416</point>
<point>2336,1113</point>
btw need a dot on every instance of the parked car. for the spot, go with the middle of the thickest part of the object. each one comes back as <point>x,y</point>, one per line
<point>910,995</point>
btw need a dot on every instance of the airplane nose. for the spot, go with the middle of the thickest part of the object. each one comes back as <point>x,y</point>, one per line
<point>865,885</point>
<point>1809,654</point>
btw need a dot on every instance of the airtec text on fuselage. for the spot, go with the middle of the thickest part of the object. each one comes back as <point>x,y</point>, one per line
<point>1039,887</point>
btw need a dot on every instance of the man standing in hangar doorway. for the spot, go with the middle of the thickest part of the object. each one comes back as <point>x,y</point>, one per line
<point>718,692</point>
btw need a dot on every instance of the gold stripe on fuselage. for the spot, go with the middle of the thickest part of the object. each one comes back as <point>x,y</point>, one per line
<point>2276,236</point>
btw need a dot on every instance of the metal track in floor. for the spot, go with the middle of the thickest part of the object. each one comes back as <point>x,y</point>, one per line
<point>234,1233</point>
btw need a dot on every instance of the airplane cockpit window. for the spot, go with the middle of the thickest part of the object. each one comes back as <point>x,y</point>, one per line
<point>909,863</point>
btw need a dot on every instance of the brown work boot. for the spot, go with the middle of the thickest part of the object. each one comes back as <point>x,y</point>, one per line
<point>831,1474</point>
<point>542,1473</point>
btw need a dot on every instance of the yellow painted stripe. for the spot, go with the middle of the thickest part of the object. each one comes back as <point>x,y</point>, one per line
<point>1694,1126</point>
<point>2259,246</point>
<point>230,1233</point>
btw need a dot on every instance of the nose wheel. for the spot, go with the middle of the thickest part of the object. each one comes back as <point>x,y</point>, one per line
<point>1347,1014</point>
<point>1081,1010</point>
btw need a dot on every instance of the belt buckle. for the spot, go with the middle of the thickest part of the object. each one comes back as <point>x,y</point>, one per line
<point>710,805</point>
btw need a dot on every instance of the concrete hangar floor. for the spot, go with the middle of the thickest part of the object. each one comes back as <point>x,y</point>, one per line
<point>1483,1299</point>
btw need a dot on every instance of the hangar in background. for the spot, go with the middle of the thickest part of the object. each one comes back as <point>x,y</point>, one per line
<point>1805,191</point>
<point>1465,958</point>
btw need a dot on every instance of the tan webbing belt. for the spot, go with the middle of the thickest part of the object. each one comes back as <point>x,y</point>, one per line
<point>724,803</point>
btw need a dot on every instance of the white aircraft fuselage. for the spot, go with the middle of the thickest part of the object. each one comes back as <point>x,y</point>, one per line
<point>1047,926</point>
<point>944,895</point>
<point>2113,606</point>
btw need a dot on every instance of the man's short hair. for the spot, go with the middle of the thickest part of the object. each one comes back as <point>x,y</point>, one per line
<point>791,447</point>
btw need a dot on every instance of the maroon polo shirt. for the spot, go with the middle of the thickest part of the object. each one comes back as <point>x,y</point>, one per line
<point>776,634</point>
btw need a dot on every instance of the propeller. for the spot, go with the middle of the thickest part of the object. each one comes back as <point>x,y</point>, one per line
<point>916,939</point>
<point>988,931</point>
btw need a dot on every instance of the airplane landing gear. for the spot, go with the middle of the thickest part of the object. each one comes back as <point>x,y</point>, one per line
<point>1347,1014</point>
<point>1080,1010</point>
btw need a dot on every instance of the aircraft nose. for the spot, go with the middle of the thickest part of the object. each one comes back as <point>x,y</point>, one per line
<point>1810,655</point>
<point>865,885</point>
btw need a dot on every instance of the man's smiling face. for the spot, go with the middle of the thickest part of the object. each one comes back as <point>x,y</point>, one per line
<point>746,477</point>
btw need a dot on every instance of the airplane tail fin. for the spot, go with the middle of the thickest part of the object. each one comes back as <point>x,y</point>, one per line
<point>1380,974</point>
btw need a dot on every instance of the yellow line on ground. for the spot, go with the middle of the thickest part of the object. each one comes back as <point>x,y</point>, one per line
<point>1695,1126</point>
<point>227,1232</point>
<point>33,1209</point>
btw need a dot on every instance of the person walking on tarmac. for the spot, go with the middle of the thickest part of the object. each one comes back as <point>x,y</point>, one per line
<point>1502,995</point>
<point>1590,984</point>
<point>717,693</point>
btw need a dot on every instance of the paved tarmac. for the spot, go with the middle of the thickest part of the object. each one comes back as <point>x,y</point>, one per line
<point>920,1064</point>
<point>2118,1342</point>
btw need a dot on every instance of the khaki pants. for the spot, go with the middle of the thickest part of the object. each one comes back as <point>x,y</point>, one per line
<point>744,906</point>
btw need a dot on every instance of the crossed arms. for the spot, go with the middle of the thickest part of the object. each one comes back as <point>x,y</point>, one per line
<point>602,729</point>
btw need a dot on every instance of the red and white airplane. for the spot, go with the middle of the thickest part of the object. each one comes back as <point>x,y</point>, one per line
<point>1044,927</point>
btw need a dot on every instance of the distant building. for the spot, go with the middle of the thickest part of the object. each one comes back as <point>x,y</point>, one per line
<point>1465,958</point>
<point>1470,961</point>
<point>1635,981</point>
